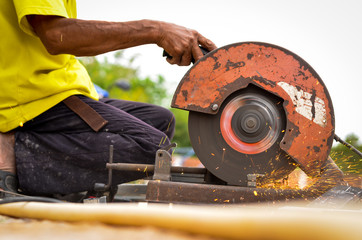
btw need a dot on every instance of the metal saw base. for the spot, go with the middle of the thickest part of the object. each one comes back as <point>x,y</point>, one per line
<point>172,184</point>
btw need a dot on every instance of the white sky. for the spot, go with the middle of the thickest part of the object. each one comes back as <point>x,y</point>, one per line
<point>325,33</point>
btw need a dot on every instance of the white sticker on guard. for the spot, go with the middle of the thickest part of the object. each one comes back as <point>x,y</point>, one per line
<point>304,105</point>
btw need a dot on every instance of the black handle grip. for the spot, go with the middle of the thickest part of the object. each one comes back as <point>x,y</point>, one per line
<point>203,50</point>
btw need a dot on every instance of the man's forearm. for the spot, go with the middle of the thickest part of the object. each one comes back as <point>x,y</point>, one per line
<point>89,38</point>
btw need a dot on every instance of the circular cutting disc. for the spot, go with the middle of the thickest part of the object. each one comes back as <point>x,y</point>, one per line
<point>243,137</point>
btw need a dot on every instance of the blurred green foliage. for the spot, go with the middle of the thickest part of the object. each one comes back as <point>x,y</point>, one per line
<point>107,73</point>
<point>182,132</point>
<point>347,160</point>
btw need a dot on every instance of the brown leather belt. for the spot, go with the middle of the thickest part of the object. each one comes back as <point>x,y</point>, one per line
<point>85,112</point>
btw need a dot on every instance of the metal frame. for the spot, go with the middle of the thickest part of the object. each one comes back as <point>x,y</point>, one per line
<point>194,185</point>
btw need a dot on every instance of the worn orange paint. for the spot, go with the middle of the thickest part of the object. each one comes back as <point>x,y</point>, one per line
<point>225,70</point>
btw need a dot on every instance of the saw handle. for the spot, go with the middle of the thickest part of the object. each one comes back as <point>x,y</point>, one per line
<point>203,50</point>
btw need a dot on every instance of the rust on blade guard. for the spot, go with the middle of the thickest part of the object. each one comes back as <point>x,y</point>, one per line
<point>310,117</point>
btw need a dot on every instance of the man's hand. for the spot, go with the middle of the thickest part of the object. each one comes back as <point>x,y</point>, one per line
<point>88,38</point>
<point>182,43</point>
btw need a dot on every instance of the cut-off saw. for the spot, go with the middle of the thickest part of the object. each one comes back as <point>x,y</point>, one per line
<point>256,108</point>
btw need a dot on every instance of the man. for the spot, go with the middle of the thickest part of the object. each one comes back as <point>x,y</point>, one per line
<point>49,109</point>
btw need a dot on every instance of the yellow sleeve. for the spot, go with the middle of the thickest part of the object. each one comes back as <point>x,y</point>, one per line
<point>38,7</point>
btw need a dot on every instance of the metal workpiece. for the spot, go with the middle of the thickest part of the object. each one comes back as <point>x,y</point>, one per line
<point>149,168</point>
<point>176,192</point>
<point>227,78</point>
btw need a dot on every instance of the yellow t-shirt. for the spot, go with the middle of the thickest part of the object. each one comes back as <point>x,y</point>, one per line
<point>32,80</point>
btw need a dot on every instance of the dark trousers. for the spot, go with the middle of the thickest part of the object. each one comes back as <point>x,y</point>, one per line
<point>58,153</point>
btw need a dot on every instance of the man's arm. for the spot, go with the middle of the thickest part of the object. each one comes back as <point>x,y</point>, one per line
<point>88,38</point>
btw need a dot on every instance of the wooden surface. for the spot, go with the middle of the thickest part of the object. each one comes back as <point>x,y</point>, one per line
<point>237,222</point>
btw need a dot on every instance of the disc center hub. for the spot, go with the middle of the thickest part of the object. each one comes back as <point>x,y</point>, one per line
<point>250,123</point>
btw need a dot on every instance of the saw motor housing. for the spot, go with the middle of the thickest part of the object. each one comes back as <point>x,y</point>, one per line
<point>270,75</point>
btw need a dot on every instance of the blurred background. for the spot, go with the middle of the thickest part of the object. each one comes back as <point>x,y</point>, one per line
<point>325,33</point>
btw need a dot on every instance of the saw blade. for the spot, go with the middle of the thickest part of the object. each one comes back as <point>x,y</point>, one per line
<point>243,137</point>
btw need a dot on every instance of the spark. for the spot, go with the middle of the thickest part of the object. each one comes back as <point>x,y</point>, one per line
<point>160,142</point>
<point>169,123</point>
<point>255,193</point>
<point>223,154</point>
<point>215,200</point>
<point>21,124</point>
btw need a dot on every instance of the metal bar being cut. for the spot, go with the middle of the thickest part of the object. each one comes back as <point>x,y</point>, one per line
<point>149,168</point>
<point>176,192</point>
